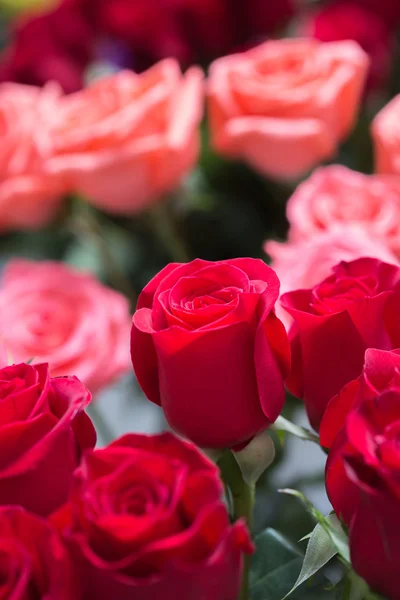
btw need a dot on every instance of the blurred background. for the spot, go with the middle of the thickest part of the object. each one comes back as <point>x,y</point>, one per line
<point>221,208</point>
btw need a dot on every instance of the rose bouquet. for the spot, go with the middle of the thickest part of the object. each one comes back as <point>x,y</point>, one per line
<point>199,300</point>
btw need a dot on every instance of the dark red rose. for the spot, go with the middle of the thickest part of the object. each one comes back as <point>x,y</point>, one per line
<point>334,324</point>
<point>347,20</point>
<point>34,565</point>
<point>388,10</point>
<point>363,469</point>
<point>209,349</point>
<point>145,521</point>
<point>189,30</point>
<point>53,46</point>
<point>43,431</point>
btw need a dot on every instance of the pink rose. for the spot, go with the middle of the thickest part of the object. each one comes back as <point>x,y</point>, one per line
<point>128,139</point>
<point>337,195</point>
<point>385,131</point>
<point>29,195</point>
<point>304,263</point>
<point>57,315</point>
<point>286,105</point>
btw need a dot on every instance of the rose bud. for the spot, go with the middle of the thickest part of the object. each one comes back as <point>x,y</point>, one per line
<point>209,349</point>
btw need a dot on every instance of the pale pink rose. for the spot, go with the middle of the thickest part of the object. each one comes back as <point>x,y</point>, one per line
<point>286,105</point>
<point>58,315</point>
<point>386,135</point>
<point>302,264</point>
<point>128,139</point>
<point>337,195</point>
<point>29,195</point>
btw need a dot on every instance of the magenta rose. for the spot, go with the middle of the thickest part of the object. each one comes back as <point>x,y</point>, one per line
<point>334,324</point>
<point>43,432</point>
<point>145,520</point>
<point>209,349</point>
<point>363,468</point>
<point>34,563</point>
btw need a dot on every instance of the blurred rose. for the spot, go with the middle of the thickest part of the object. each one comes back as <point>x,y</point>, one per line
<point>145,521</point>
<point>188,30</point>
<point>66,318</point>
<point>388,10</point>
<point>29,196</point>
<point>56,45</point>
<point>302,264</point>
<point>336,195</point>
<point>35,565</point>
<point>385,131</point>
<point>43,433</point>
<point>286,105</point>
<point>346,20</point>
<point>128,139</point>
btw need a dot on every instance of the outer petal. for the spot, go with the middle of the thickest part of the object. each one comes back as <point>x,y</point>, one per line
<point>336,413</point>
<point>374,543</point>
<point>342,492</point>
<point>215,578</point>
<point>208,384</point>
<point>277,147</point>
<point>143,354</point>
<point>332,354</point>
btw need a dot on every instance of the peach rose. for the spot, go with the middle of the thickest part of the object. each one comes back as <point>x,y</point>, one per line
<point>303,263</point>
<point>128,139</point>
<point>29,195</point>
<point>336,194</point>
<point>285,106</point>
<point>386,135</point>
<point>55,314</point>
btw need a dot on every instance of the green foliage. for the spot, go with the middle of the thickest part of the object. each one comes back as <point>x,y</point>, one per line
<point>275,569</point>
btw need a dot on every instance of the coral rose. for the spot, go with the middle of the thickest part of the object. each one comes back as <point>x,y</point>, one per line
<point>128,139</point>
<point>209,349</point>
<point>66,318</point>
<point>386,135</point>
<point>337,195</point>
<point>286,105</point>
<point>43,433</point>
<point>29,195</point>
<point>145,520</point>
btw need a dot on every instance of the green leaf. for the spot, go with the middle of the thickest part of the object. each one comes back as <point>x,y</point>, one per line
<point>331,524</point>
<point>282,424</point>
<point>275,569</point>
<point>320,550</point>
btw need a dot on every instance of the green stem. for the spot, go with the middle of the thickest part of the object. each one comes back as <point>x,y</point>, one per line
<point>243,497</point>
<point>165,230</point>
<point>102,426</point>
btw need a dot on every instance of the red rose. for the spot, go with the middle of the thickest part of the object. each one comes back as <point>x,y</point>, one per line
<point>43,431</point>
<point>334,323</point>
<point>209,349</point>
<point>34,563</point>
<point>145,521</point>
<point>346,20</point>
<point>52,46</point>
<point>363,469</point>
